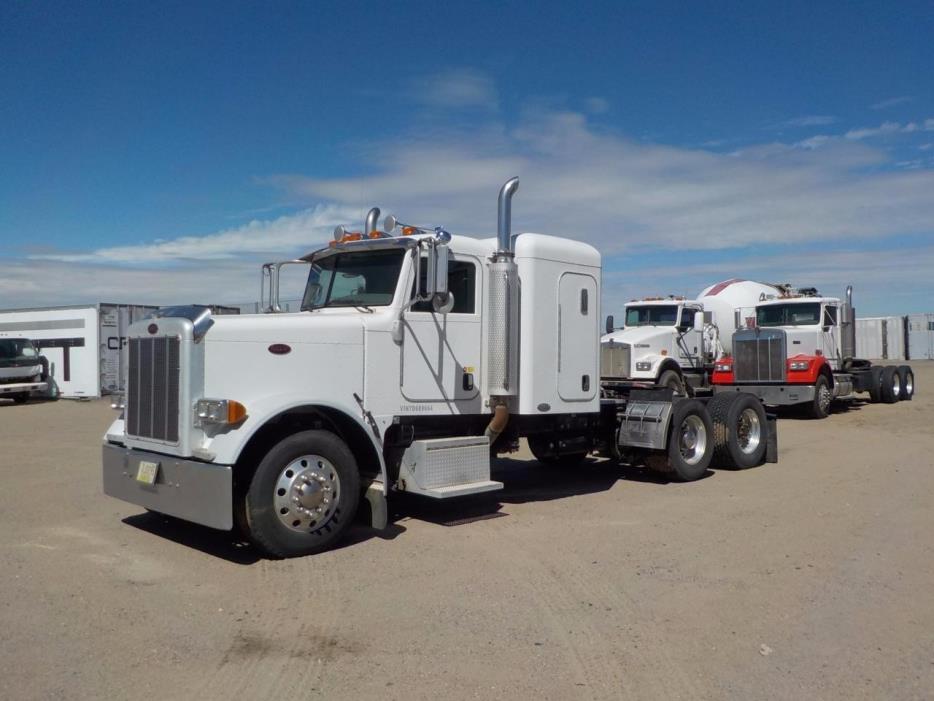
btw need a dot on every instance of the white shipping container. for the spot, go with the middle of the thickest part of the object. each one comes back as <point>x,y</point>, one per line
<point>85,344</point>
<point>880,338</point>
<point>921,336</point>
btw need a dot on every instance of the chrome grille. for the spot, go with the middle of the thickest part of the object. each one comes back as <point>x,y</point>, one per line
<point>759,355</point>
<point>615,359</point>
<point>152,388</point>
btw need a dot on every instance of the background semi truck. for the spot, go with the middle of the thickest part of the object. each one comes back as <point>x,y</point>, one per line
<point>23,372</point>
<point>801,350</point>
<point>674,342</point>
<point>414,358</point>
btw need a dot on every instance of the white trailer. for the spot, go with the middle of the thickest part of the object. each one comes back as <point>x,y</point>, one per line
<point>413,358</point>
<point>921,336</point>
<point>85,344</point>
<point>881,337</point>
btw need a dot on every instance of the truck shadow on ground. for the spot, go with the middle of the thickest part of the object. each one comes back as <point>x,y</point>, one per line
<point>800,413</point>
<point>524,481</point>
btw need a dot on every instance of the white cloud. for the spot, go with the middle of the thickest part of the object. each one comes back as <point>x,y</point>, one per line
<point>621,195</point>
<point>303,230</point>
<point>891,102</point>
<point>867,132</point>
<point>813,120</point>
<point>596,105</point>
<point>459,88</point>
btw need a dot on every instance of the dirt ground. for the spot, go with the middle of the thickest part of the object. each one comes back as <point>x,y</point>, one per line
<point>810,578</point>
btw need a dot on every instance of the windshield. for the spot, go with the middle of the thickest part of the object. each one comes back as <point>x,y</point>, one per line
<point>652,315</point>
<point>15,348</point>
<point>796,314</point>
<point>354,279</point>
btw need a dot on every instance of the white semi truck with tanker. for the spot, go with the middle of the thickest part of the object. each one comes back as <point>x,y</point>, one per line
<point>413,359</point>
<point>674,342</point>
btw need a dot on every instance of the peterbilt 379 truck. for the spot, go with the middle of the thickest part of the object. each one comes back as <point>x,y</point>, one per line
<point>414,358</point>
<point>800,349</point>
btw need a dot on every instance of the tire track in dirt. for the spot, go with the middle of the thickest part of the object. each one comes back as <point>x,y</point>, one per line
<point>600,661</point>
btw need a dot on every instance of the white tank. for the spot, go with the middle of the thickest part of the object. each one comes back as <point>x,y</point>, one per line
<point>725,299</point>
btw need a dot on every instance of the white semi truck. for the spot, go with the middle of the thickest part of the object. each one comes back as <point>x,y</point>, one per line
<point>674,342</point>
<point>22,370</point>
<point>801,350</point>
<point>414,358</point>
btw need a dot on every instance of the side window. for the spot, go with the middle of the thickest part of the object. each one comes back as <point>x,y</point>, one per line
<point>584,302</point>
<point>830,316</point>
<point>462,283</point>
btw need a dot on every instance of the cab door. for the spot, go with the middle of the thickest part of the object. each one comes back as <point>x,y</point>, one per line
<point>441,352</point>
<point>829,340</point>
<point>689,343</point>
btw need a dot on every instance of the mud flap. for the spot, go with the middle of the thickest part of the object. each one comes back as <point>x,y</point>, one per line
<point>379,510</point>
<point>771,445</point>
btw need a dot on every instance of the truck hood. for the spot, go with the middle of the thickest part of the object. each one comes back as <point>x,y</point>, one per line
<point>328,326</point>
<point>652,336</point>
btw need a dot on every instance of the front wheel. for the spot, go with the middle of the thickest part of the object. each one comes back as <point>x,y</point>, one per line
<point>690,442</point>
<point>819,408</point>
<point>672,380</point>
<point>20,397</point>
<point>303,495</point>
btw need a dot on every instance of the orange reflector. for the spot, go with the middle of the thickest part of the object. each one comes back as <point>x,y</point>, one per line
<point>236,412</point>
<point>408,230</point>
<point>332,244</point>
<point>663,352</point>
<point>376,234</point>
<point>352,237</point>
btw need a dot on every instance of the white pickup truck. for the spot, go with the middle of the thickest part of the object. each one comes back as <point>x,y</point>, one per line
<point>21,369</point>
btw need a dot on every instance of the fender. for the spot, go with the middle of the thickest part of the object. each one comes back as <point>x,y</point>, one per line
<point>816,365</point>
<point>229,444</point>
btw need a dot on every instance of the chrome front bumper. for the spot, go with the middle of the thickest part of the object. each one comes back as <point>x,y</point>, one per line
<point>187,489</point>
<point>773,395</point>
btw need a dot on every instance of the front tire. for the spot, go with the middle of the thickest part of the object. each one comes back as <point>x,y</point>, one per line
<point>819,408</point>
<point>20,397</point>
<point>690,441</point>
<point>672,380</point>
<point>891,384</point>
<point>303,495</point>
<point>907,377</point>
<point>739,429</point>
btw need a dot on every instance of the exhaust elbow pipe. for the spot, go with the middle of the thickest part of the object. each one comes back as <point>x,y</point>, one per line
<point>371,221</point>
<point>849,295</point>
<point>504,218</point>
<point>497,423</point>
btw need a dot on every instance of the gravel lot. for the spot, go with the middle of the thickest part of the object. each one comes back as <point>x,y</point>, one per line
<point>812,578</point>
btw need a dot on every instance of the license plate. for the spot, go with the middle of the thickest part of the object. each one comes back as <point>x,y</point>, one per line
<point>147,472</point>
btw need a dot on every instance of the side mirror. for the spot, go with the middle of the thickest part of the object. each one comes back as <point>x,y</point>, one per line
<point>698,321</point>
<point>437,279</point>
<point>610,326</point>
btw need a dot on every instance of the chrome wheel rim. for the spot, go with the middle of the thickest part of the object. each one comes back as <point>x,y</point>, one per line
<point>824,398</point>
<point>749,431</point>
<point>692,442</point>
<point>896,384</point>
<point>306,493</point>
<point>909,384</point>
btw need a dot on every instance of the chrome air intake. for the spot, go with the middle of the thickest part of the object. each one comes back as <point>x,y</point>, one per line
<point>503,319</point>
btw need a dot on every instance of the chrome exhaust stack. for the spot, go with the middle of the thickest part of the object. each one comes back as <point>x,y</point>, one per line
<point>371,222</point>
<point>503,320</point>
<point>848,326</point>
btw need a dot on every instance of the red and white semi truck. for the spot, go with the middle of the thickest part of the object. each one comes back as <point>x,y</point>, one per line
<point>800,350</point>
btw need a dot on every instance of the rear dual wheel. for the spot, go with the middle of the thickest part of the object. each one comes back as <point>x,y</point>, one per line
<point>891,384</point>
<point>907,377</point>
<point>690,441</point>
<point>739,429</point>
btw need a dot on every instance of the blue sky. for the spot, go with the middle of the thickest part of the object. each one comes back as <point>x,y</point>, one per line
<point>159,152</point>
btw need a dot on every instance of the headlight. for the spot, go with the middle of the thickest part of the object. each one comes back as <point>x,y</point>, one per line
<point>799,365</point>
<point>118,401</point>
<point>218,411</point>
<point>643,365</point>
